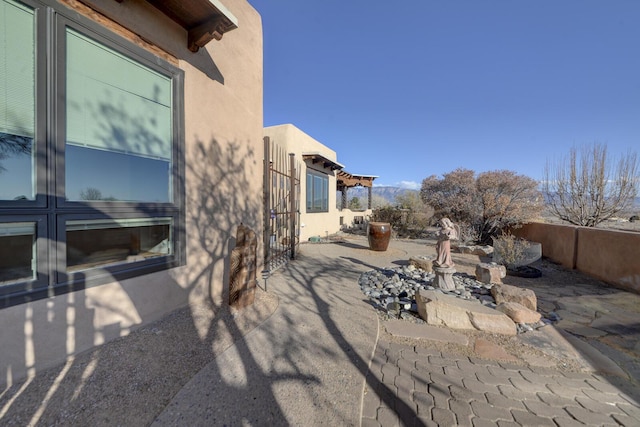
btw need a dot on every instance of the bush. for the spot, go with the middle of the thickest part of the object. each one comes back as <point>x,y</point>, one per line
<point>511,249</point>
<point>492,201</point>
<point>406,222</point>
<point>469,234</point>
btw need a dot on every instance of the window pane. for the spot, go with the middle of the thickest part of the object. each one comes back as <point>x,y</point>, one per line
<point>17,101</point>
<point>92,243</point>
<point>105,175</point>
<point>317,193</point>
<point>17,252</point>
<point>309,192</point>
<point>119,123</point>
<point>325,193</point>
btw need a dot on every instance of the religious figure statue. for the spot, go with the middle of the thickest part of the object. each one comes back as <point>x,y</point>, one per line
<point>448,232</point>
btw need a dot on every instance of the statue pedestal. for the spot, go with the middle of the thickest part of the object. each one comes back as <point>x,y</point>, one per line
<point>444,278</point>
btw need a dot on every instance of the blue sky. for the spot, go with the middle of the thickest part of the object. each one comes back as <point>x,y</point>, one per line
<point>413,88</point>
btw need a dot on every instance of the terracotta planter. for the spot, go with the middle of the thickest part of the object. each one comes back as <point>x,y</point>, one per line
<point>379,234</point>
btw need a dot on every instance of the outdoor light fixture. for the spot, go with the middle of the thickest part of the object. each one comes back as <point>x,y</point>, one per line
<point>265,276</point>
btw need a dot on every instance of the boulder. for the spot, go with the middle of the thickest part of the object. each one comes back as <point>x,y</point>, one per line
<point>519,313</point>
<point>463,249</point>
<point>422,262</point>
<point>439,309</point>
<point>485,250</point>
<point>508,293</point>
<point>490,273</point>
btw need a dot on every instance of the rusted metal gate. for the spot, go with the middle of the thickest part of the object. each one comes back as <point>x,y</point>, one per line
<point>281,207</point>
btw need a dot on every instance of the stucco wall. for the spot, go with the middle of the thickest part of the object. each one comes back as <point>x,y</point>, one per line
<point>293,140</point>
<point>558,241</point>
<point>612,256</point>
<point>609,255</point>
<point>223,182</point>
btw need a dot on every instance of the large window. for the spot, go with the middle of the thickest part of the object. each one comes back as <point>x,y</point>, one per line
<point>17,101</point>
<point>317,192</point>
<point>90,177</point>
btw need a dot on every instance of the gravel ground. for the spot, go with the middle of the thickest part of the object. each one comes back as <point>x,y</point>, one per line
<point>129,381</point>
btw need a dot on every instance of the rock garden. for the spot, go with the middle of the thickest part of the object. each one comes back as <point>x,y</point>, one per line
<point>482,302</point>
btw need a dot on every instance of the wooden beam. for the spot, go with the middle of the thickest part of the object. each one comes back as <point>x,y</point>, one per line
<point>204,33</point>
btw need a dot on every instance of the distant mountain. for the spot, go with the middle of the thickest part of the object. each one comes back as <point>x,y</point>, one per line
<point>387,193</point>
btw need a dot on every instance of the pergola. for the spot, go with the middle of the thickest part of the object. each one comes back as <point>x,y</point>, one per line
<point>347,180</point>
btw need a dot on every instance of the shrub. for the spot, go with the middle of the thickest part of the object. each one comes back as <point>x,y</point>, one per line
<point>405,221</point>
<point>510,249</point>
<point>389,214</point>
<point>469,233</point>
<point>492,201</point>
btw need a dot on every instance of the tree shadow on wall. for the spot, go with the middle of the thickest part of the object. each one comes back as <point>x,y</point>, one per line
<point>147,367</point>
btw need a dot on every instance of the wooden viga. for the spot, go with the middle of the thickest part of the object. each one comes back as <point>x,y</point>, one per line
<point>243,270</point>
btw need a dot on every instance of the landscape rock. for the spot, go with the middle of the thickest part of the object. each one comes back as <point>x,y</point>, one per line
<point>438,309</point>
<point>479,250</point>
<point>508,293</point>
<point>394,291</point>
<point>490,273</point>
<point>422,262</point>
<point>519,313</point>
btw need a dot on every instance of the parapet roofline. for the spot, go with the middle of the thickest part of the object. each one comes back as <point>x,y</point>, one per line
<point>326,162</point>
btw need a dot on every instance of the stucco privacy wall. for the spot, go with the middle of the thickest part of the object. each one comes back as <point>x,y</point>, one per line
<point>609,255</point>
<point>558,241</point>
<point>223,184</point>
<point>295,141</point>
<point>612,256</point>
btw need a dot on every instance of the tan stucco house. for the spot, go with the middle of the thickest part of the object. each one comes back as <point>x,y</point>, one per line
<point>131,137</point>
<point>324,184</point>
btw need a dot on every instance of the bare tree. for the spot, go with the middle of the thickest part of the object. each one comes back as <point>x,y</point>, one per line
<point>484,205</point>
<point>14,146</point>
<point>508,200</point>
<point>91,193</point>
<point>378,201</point>
<point>454,196</point>
<point>587,187</point>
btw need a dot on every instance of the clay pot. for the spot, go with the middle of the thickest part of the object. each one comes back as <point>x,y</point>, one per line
<point>379,234</point>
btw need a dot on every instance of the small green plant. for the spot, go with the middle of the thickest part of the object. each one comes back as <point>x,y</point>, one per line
<point>510,250</point>
<point>354,204</point>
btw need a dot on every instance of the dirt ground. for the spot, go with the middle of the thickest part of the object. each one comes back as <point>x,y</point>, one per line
<point>128,381</point>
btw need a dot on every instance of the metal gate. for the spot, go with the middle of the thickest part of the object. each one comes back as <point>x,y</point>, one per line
<point>281,207</point>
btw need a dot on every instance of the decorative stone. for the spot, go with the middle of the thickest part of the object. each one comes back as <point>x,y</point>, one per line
<point>519,313</point>
<point>508,293</point>
<point>438,309</point>
<point>463,249</point>
<point>490,273</point>
<point>422,262</point>
<point>475,250</point>
<point>444,278</point>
